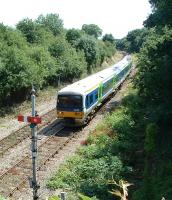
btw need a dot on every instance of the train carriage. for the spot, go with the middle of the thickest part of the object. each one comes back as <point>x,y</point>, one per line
<point>77,102</point>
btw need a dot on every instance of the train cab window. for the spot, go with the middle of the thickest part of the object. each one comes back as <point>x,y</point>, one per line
<point>91,99</point>
<point>69,102</point>
<point>86,102</point>
<point>96,96</point>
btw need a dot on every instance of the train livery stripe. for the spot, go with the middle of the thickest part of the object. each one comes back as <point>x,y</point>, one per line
<point>93,88</point>
<point>66,114</point>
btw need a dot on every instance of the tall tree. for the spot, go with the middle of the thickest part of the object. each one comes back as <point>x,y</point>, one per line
<point>92,29</point>
<point>109,37</point>
<point>73,35</point>
<point>52,22</point>
<point>28,28</point>
<point>90,48</point>
<point>161,14</point>
<point>136,38</point>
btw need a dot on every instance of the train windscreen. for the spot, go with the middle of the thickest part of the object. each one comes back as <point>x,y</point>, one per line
<point>69,102</point>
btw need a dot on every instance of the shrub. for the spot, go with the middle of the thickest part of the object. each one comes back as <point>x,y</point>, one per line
<point>89,171</point>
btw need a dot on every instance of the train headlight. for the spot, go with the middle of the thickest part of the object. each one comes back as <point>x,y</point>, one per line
<point>60,113</point>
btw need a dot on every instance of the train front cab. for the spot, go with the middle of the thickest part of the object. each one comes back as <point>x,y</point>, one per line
<point>70,109</point>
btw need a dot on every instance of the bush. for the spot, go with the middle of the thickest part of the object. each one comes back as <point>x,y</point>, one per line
<point>150,139</point>
<point>89,171</point>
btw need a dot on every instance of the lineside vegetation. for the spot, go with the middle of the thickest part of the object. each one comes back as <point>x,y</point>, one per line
<point>42,51</point>
<point>137,139</point>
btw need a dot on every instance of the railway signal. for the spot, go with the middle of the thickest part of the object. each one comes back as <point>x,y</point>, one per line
<point>34,119</point>
<point>29,119</point>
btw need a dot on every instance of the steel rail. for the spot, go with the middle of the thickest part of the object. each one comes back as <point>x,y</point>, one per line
<point>23,133</point>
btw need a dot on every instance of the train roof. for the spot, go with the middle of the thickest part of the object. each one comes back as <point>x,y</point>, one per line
<point>91,82</point>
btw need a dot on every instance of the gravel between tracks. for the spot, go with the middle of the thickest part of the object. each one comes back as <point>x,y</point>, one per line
<point>7,126</point>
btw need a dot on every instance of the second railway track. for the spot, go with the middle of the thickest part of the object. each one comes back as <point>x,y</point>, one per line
<point>17,176</point>
<point>23,133</point>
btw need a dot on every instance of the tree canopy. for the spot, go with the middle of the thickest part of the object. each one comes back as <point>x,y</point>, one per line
<point>109,37</point>
<point>154,82</point>
<point>92,29</point>
<point>41,51</point>
<point>161,15</point>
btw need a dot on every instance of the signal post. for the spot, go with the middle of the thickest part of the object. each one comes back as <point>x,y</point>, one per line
<point>34,119</point>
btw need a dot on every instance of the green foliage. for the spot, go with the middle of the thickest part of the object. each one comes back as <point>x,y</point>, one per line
<point>28,28</point>
<point>44,38</point>
<point>73,35</point>
<point>51,22</point>
<point>120,122</point>
<point>14,71</point>
<point>2,198</point>
<point>122,125</point>
<point>135,39</point>
<point>122,44</point>
<point>34,32</point>
<point>109,38</point>
<point>150,139</point>
<point>89,170</point>
<point>154,75</point>
<point>53,198</point>
<point>71,65</point>
<point>45,66</point>
<point>83,197</point>
<point>161,14</point>
<point>109,49</point>
<point>11,38</point>
<point>92,30</point>
<point>42,52</point>
<point>21,65</point>
<point>154,84</point>
<point>89,47</point>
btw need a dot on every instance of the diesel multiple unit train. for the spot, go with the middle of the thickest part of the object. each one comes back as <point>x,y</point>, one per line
<point>77,102</point>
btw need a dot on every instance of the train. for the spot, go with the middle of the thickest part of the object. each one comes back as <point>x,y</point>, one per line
<point>77,103</point>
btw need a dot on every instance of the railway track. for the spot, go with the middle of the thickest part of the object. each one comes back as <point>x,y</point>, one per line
<point>16,177</point>
<point>23,133</point>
